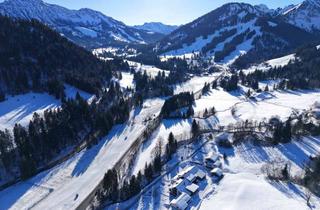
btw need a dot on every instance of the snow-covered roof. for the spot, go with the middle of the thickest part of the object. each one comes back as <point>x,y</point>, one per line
<point>201,174</point>
<point>177,183</point>
<point>191,177</point>
<point>183,172</point>
<point>181,202</point>
<point>195,173</point>
<point>217,171</point>
<point>212,157</point>
<point>192,188</point>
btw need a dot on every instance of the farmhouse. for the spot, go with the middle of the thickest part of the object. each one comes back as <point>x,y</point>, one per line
<point>217,172</point>
<point>192,188</point>
<point>181,202</point>
<point>210,160</point>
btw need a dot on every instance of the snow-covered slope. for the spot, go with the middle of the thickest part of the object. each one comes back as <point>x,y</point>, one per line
<point>86,27</point>
<point>305,15</point>
<point>233,30</point>
<point>267,65</point>
<point>20,108</point>
<point>68,184</point>
<point>253,192</point>
<point>157,27</point>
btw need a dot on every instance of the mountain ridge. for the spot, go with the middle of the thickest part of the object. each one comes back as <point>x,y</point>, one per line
<point>86,27</point>
<point>233,30</point>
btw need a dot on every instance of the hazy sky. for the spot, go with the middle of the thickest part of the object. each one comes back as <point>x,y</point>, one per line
<point>167,11</point>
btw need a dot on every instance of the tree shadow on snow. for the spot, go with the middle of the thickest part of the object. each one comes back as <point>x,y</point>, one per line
<point>252,154</point>
<point>288,189</point>
<point>294,153</point>
<point>12,194</point>
<point>173,122</point>
<point>90,154</point>
<point>24,105</point>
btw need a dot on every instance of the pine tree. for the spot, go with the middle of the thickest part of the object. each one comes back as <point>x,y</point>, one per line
<point>171,146</point>
<point>157,157</point>
<point>2,96</point>
<point>195,128</point>
<point>148,172</point>
<point>213,110</point>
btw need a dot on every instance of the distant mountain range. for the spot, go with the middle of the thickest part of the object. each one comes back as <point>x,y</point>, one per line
<point>157,27</point>
<point>251,32</point>
<point>85,27</point>
<point>234,30</point>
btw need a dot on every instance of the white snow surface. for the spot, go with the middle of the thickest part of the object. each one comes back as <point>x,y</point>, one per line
<point>195,84</point>
<point>20,108</point>
<point>127,80</point>
<point>151,70</point>
<point>277,62</point>
<point>181,130</point>
<point>232,107</point>
<point>247,191</point>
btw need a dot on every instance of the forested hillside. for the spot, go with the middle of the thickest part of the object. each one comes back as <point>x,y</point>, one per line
<point>33,57</point>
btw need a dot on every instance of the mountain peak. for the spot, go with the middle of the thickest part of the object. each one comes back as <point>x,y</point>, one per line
<point>87,27</point>
<point>157,27</point>
<point>305,15</point>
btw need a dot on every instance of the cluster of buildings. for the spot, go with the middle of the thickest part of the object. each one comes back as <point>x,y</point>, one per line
<point>186,183</point>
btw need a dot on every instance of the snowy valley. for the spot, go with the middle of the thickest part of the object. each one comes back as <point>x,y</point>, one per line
<point>222,112</point>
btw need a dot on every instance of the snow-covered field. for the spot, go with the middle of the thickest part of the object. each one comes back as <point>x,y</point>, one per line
<point>66,185</point>
<point>247,191</point>
<point>20,108</point>
<point>151,70</point>
<point>196,83</point>
<point>127,80</point>
<point>266,105</point>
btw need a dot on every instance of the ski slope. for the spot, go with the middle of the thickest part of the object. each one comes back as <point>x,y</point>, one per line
<point>66,185</point>
<point>187,50</point>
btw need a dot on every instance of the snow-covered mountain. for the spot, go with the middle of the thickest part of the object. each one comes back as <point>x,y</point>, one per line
<point>233,30</point>
<point>305,15</point>
<point>157,27</point>
<point>86,27</point>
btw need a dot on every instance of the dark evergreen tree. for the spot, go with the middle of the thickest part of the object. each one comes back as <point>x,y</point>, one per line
<point>195,128</point>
